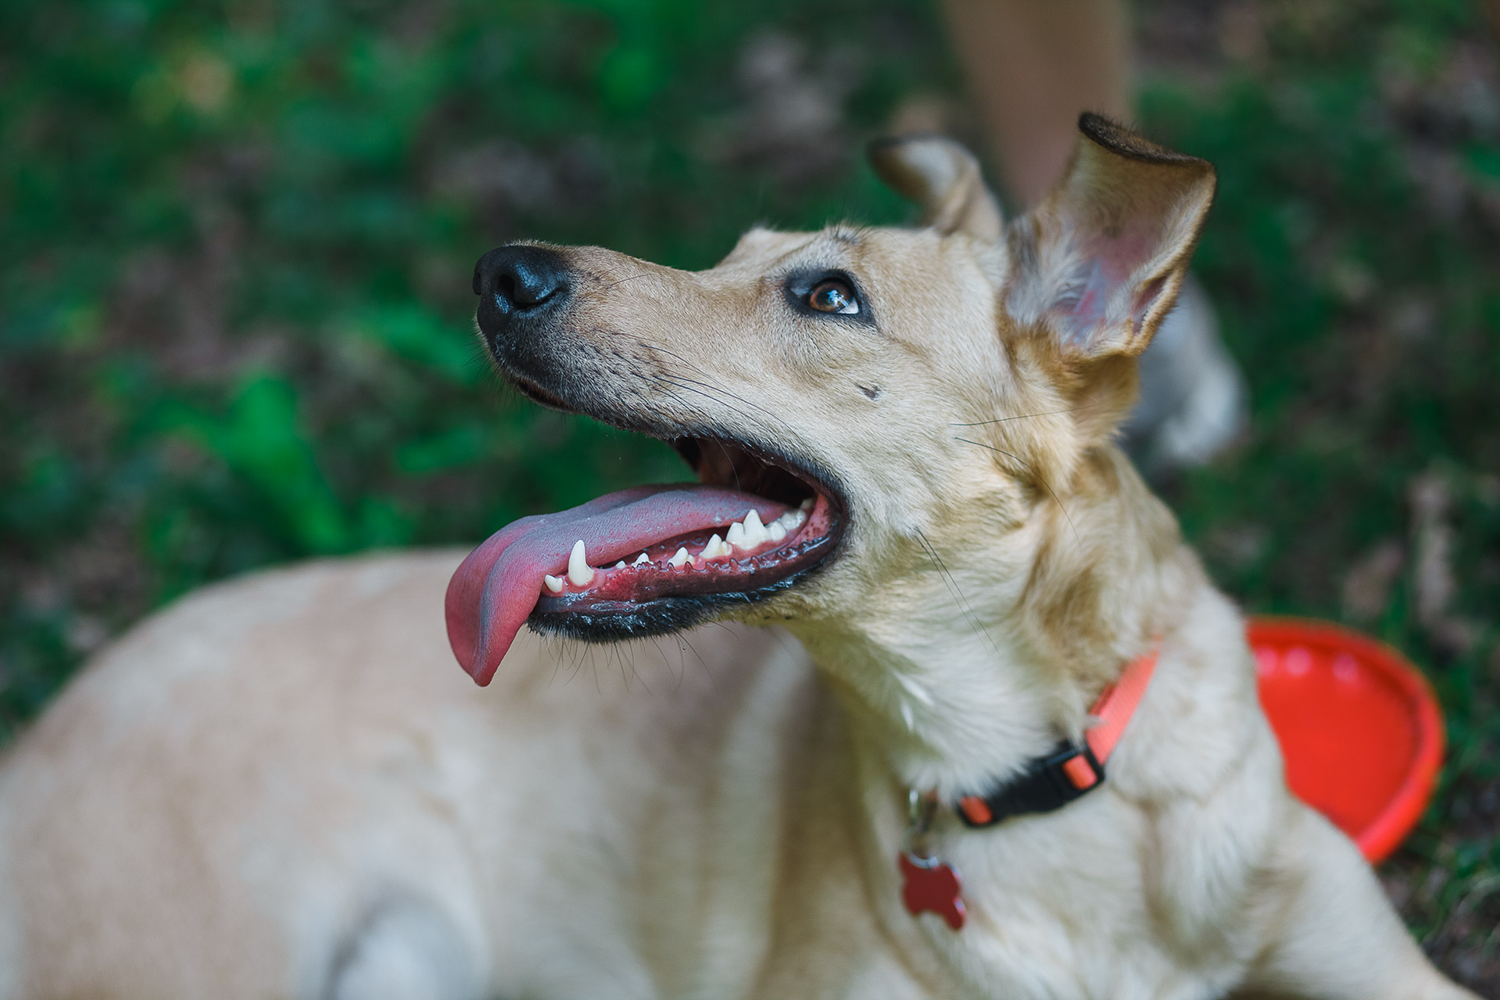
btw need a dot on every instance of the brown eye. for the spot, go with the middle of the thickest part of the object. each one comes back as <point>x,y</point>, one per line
<point>833,296</point>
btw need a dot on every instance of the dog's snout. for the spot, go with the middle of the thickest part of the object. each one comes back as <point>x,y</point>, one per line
<point>518,280</point>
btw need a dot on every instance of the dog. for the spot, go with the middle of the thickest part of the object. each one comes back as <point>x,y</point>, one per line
<point>1014,751</point>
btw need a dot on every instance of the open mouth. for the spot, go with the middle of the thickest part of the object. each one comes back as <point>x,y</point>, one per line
<point>646,560</point>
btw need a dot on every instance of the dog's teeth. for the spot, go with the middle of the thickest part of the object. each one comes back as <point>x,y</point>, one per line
<point>678,558</point>
<point>579,570</point>
<point>620,564</point>
<point>642,558</point>
<point>554,583</point>
<point>807,504</point>
<point>715,548</point>
<point>736,536</point>
<point>791,520</point>
<point>755,531</point>
<point>777,531</point>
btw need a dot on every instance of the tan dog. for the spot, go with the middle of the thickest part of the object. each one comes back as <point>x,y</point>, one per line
<point>281,787</point>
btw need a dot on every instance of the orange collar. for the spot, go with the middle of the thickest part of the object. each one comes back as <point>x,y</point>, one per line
<point>1053,780</point>
<point>930,885</point>
<point>1117,704</point>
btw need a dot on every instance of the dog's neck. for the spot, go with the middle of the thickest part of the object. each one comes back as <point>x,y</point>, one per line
<point>982,660</point>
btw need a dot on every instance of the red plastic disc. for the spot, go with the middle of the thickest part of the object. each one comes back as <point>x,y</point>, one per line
<point>1359,727</point>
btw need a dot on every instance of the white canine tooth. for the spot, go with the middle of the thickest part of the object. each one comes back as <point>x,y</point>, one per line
<point>736,536</point>
<point>678,558</point>
<point>792,520</point>
<point>807,504</point>
<point>777,531</point>
<point>714,549</point>
<point>755,531</point>
<point>620,564</point>
<point>579,570</point>
<point>554,583</point>
<point>642,558</point>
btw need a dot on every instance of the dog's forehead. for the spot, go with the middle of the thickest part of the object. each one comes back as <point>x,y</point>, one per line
<point>763,250</point>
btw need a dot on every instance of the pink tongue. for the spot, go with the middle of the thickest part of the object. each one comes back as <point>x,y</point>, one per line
<point>493,592</point>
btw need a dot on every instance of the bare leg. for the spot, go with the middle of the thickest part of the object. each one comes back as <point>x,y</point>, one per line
<point>1032,66</point>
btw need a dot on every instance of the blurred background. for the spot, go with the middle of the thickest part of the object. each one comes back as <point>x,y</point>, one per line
<point>236,242</point>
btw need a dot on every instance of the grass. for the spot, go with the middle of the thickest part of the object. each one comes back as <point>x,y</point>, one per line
<point>235,314</point>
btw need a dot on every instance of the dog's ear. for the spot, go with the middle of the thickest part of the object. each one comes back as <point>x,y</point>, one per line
<point>1099,262</point>
<point>943,178</point>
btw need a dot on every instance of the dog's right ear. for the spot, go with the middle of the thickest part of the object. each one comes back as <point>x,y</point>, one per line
<point>1099,262</point>
<point>943,178</point>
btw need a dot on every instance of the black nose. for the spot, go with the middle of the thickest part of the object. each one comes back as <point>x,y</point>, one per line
<point>516,281</point>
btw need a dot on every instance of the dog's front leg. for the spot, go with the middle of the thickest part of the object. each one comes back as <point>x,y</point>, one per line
<point>1329,932</point>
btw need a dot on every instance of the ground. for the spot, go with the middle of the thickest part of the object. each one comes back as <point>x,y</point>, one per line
<point>235,305</point>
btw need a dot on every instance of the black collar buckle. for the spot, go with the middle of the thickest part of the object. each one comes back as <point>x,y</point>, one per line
<point>1048,783</point>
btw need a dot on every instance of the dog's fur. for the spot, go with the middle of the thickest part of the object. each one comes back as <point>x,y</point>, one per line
<point>284,787</point>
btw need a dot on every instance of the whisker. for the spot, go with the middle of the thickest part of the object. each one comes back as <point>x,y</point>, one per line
<point>710,389</point>
<point>656,641</point>
<point>717,395</point>
<point>576,651</point>
<point>709,384</point>
<point>1045,485</point>
<point>712,680</point>
<point>1019,416</point>
<point>732,467</point>
<point>556,662</point>
<point>673,354</point>
<point>708,395</point>
<point>953,588</point>
<point>725,393</point>
<point>595,292</point>
<point>627,667</point>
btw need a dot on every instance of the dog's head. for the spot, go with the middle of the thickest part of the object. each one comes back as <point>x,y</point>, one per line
<point>871,413</point>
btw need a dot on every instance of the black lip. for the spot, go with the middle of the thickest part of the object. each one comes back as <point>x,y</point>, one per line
<point>663,615</point>
<point>540,396</point>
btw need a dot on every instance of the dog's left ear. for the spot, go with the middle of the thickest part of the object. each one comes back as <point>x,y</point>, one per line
<point>1100,260</point>
<point>943,178</point>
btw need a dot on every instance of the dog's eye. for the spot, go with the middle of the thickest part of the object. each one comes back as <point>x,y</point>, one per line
<point>833,296</point>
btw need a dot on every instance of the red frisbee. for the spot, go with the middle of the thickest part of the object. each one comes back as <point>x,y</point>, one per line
<point>1358,725</point>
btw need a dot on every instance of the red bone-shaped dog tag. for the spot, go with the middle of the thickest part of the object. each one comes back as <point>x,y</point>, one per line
<point>929,885</point>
